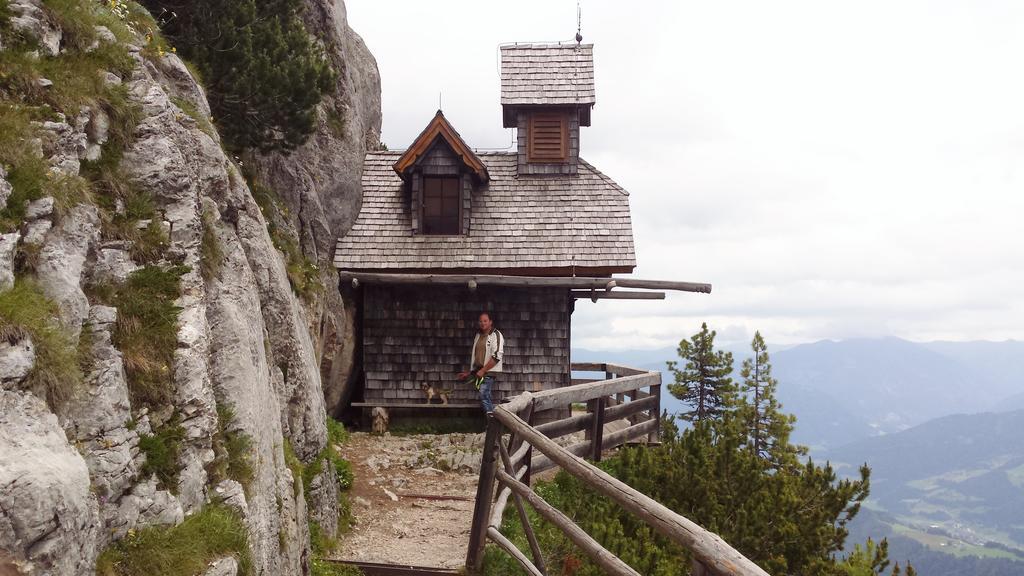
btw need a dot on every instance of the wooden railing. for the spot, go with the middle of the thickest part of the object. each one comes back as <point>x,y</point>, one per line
<point>509,461</point>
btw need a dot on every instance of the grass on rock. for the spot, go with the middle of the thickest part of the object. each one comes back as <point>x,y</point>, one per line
<point>183,550</point>
<point>26,311</point>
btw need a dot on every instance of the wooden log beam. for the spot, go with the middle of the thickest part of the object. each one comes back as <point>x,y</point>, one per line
<point>707,547</point>
<point>578,282</point>
<point>524,520</point>
<point>630,408</point>
<point>616,295</point>
<point>498,510</point>
<point>484,494</point>
<point>559,428</point>
<point>603,558</point>
<point>513,551</point>
<point>587,367</point>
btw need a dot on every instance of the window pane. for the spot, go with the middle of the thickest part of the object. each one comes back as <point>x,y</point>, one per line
<point>441,201</point>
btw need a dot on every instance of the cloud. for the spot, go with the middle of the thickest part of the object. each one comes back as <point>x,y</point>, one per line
<point>834,169</point>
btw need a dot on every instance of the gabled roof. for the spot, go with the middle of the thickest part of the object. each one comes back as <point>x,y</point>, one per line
<point>518,223</point>
<point>440,128</point>
<point>547,74</point>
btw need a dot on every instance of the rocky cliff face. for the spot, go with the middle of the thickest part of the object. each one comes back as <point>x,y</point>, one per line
<point>319,182</point>
<point>73,478</point>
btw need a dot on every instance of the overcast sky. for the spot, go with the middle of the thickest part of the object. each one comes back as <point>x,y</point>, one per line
<point>834,169</point>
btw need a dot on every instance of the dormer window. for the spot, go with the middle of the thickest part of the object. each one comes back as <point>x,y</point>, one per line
<point>441,173</point>
<point>548,137</point>
<point>441,205</point>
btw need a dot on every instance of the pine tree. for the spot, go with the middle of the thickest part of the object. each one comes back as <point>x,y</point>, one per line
<point>704,382</point>
<point>263,74</point>
<point>768,428</point>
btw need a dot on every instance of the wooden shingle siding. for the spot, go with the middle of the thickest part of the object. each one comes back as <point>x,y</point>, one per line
<point>424,334</point>
<point>547,74</point>
<point>517,221</point>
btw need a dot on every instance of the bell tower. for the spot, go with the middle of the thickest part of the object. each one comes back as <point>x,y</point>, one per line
<point>547,92</point>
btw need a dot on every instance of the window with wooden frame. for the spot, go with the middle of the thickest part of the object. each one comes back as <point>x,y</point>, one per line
<point>442,205</point>
<point>548,138</point>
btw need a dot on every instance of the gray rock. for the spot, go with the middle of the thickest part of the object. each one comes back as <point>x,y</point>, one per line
<point>231,494</point>
<point>48,518</point>
<point>63,145</point>
<point>40,208</point>
<point>8,245</point>
<point>16,361</point>
<point>97,129</point>
<point>226,566</point>
<point>62,260</point>
<point>146,505</point>
<point>35,232</point>
<point>111,79</point>
<point>5,188</point>
<point>320,182</point>
<point>113,265</point>
<point>29,18</point>
<point>44,82</point>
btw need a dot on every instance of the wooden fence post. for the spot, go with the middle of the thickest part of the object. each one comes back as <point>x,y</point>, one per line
<point>484,495</point>
<point>655,435</point>
<point>597,430</point>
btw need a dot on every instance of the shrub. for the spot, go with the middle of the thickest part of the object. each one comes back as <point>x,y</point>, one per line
<point>238,46</point>
<point>162,449</point>
<point>25,310</point>
<point>183,550</point>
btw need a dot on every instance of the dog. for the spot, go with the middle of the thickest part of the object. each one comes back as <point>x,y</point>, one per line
<point>379,414</point>
<point>431,391</point>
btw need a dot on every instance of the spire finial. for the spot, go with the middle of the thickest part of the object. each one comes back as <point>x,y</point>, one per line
<point>579,25</point>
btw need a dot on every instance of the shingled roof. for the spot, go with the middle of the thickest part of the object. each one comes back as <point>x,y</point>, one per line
<point>547,74</point>
<point>537,223</point>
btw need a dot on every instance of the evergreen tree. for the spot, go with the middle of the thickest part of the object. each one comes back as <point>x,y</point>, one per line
<point>263,74</point>
<point>871,560</point>
<point>704,382</point>
<point>767,427</point>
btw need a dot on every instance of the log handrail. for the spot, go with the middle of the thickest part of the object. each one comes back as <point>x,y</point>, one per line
<point>711,554</point>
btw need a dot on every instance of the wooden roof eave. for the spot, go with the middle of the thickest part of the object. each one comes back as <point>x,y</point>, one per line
<point>440,127</point>
<point>568,282</point>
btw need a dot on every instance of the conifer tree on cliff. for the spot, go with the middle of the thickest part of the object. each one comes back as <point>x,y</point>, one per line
<point>263,73</point>
<point>704,382</point>
<point>767,427</point>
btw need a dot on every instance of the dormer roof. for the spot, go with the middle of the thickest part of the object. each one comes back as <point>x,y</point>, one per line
<point>440,128</point>
<point>547,75</point>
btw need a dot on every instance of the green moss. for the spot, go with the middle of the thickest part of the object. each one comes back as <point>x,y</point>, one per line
<point>336,432</point>
<point>183,550</point>
<point>291,460</point>
<point>320,567</point>
<point>25,310</point>
<point>233,451</point>
<point>146,332</point>
<point>336,121</point>
<point>211,257</point>
<point>162,449</point>
<point>192,112</point>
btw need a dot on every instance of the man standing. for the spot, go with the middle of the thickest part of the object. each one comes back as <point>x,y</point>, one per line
<point>485,359</point>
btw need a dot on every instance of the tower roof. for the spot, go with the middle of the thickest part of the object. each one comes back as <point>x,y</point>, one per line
<point>547,75</point>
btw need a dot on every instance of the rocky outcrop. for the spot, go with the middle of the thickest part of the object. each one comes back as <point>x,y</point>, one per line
<point>48,516</point>
<point>72,483</point>
<point>320,181</point>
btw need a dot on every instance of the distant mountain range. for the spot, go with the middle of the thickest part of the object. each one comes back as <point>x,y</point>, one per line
<point>848,390</point>
<point>941,424</point>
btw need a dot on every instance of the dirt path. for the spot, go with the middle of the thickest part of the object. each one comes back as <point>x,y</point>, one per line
<point>393,522</point>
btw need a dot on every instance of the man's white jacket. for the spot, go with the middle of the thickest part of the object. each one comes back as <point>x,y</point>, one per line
<point>495,348</point>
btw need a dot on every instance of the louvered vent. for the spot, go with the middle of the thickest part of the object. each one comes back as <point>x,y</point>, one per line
<point>549,139</point>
